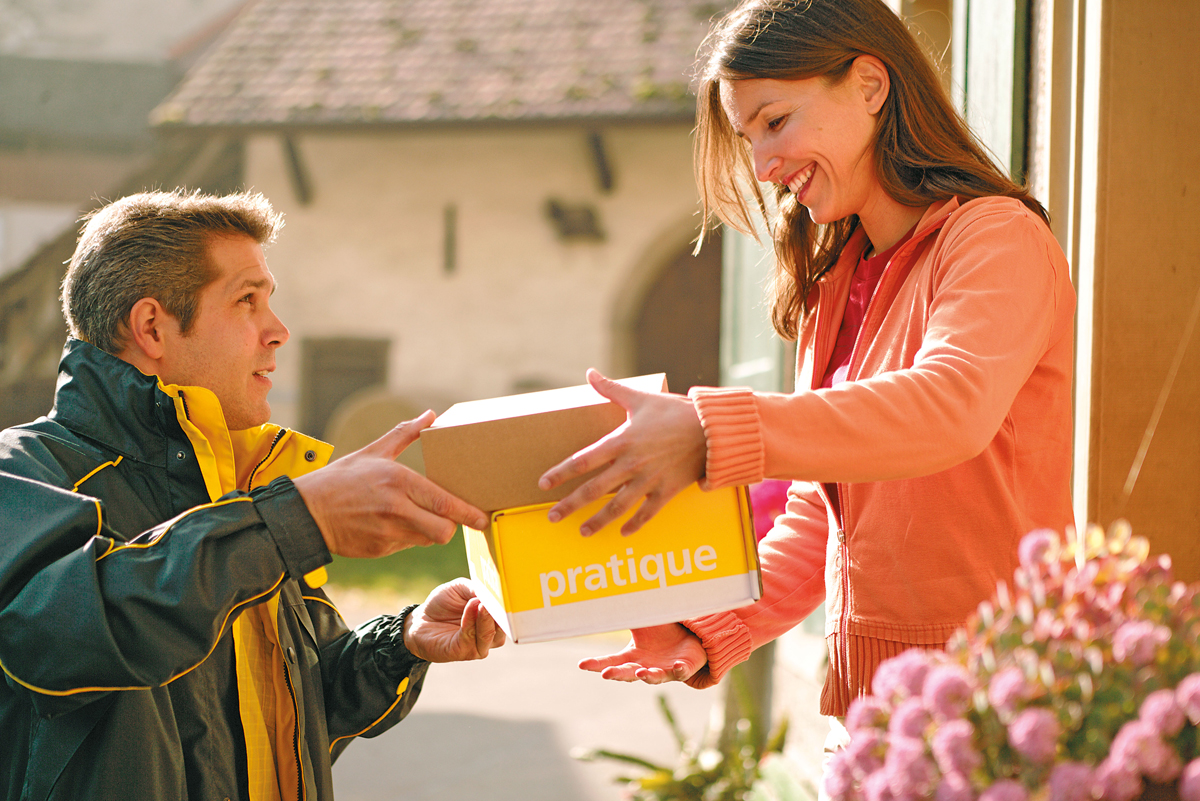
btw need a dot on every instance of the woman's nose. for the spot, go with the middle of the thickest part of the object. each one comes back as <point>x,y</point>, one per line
<point>766,165</point>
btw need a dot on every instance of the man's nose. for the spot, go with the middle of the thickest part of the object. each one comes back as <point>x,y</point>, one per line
<point>277,332</point>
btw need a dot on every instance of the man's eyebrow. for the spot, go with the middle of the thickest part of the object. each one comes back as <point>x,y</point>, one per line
<point>256,283</point>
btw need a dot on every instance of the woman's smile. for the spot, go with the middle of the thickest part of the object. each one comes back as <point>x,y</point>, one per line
<point>798,181</point>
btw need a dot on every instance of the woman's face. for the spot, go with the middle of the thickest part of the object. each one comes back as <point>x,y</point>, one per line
<point>813,138</point>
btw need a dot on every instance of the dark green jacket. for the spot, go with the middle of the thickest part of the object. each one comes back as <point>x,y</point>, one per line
<point>119,582</point>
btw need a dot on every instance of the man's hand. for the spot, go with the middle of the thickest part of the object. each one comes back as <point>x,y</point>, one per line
<point>451,626</point>
<point>657,654</point>
<point>367,505</point>
<point>657,452</point>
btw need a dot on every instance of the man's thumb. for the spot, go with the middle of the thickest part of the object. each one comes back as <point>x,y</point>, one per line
<point>393,443</point>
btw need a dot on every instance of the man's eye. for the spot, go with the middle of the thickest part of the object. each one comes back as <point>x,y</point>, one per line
<point>248,298</point>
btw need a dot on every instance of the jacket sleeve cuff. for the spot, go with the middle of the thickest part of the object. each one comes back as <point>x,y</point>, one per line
<point>391,653</point>
<point>296,534</point>
<point>726,640</point>
<point>733,436</point>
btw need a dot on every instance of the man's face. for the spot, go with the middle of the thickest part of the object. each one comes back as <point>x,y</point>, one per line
<point>230,348</point>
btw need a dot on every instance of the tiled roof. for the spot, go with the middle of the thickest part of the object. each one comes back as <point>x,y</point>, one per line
<point>350,62</point>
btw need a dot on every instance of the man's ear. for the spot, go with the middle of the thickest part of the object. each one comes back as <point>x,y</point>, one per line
<point>145,340</point>
<point>873,80</point>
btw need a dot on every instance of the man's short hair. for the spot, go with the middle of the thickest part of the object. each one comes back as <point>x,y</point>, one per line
<point>153,245</point>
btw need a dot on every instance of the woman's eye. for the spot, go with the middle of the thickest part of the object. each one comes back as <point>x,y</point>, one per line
<point>775,123</point>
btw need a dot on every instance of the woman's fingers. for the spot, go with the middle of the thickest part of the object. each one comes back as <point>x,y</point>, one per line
<point>601,452</point>
<point>625,397</point>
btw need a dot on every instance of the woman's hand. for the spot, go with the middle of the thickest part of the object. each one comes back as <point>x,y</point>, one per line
<point>657,654</point>
<point>657,452</point>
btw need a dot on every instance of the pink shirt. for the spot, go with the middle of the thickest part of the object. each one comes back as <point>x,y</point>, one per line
<point>862,287</point>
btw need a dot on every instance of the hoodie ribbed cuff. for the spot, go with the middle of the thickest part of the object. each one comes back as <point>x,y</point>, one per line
<point>726,640</point>
<point>733,436</point>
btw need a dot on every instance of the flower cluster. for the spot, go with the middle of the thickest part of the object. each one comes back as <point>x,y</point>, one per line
<point>1080,682</point>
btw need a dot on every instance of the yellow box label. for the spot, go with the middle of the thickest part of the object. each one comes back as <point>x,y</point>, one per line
<point>697,536</point>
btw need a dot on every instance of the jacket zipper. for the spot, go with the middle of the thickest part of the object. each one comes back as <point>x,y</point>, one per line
<point>844,571</point>
<point>287,676</point>
<point>843,549</point>
<point>843,648</point>
<point>843,546</point>
<point>287,673</point>
<point>278,436</point>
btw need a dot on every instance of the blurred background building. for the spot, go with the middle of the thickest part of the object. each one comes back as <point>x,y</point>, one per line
<point>482,198</point>
<point>78,80</point>
<point>490,196</point>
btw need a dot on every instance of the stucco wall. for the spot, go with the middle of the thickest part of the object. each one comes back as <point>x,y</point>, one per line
<point>365,257</point>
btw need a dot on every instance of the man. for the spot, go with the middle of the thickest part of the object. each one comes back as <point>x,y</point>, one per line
<point>162,633</point>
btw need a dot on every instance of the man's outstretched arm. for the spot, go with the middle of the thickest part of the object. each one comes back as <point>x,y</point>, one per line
<point>367,505</point>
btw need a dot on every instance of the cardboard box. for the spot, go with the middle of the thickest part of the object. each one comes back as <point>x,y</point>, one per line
<point>492,452</point>
<point>543,580</point>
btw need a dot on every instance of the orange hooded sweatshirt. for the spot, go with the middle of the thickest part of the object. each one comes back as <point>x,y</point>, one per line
<point>950,440</point>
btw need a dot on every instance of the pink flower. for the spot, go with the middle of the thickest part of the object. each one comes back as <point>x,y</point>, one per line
<point>1034,734</point>
<point>1188,696</point>
<point>1036,545</point>
<point>1164,764</point>
<point>862,753</point>
<point>910,772</point>
<point>1048,626</point>
<point>1007,688</point>
<point>954,787</point>
<point>1189,782</point>
<point>768,499</point>
<point>948,691</point>
<point>1161,711</point>
<point>877,788</point>
<point>1081,582</point>
<point>954,749</point>
<point>1004,790</point>
<point>838,776</point>
<point>1113,781</point>
<point>1070,781</point>
<point>902,675</point>
<point>910,719</point>
<point>866,712</point>
<point>1138,747</point>
<point>1137,641</point>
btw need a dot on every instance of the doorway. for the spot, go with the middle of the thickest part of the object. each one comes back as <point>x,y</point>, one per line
<point>677,329</point>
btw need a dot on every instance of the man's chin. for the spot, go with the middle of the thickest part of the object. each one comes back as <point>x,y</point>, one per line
<point>247,420</point>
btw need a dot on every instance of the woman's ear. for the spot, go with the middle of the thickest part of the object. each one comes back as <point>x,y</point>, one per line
<point>873,81</point>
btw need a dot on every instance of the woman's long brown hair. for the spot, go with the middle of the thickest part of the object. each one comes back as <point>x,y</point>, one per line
<point>924,151</point>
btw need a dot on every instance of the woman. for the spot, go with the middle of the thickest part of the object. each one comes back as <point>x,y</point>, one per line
<point>933,310</point>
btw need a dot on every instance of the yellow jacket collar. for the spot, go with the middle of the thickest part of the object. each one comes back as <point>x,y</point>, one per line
<point>243,459</point>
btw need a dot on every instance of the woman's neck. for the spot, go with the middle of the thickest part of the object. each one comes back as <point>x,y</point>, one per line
<point>887,222</point>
